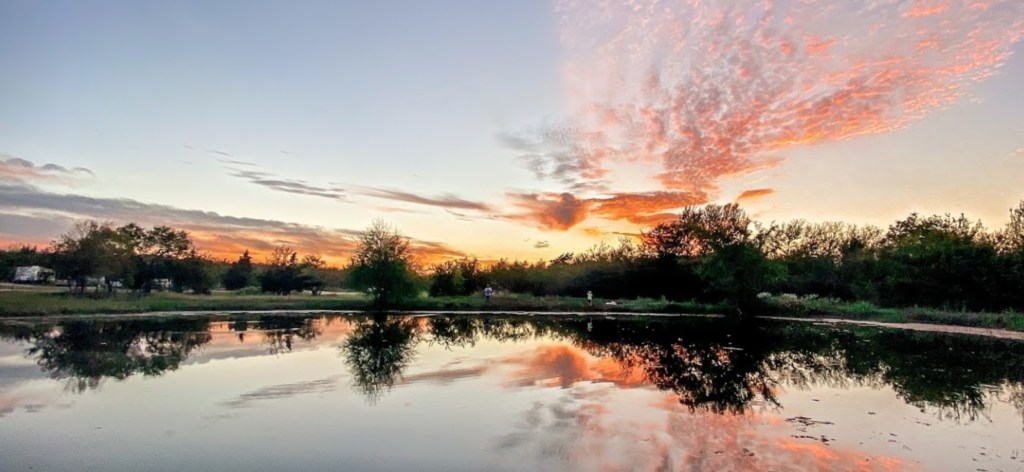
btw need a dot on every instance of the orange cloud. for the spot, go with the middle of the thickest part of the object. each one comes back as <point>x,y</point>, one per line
<point>713,90</point>
<point>551,210</point>
<point>754,194</point>
<point>560,365</point>
<point>564,211</point>
<point>222,236</point>
<point>923,9</point>
<point>336,248</point>
<point>645,208</point>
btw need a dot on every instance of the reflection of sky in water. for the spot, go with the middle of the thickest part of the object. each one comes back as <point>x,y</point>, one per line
<point>522,403</point>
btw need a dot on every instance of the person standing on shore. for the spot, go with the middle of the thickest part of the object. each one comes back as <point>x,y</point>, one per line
<point>590,298</point>
<point>488,291</point>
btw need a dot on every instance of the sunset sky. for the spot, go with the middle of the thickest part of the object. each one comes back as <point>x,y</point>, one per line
<point>501,129</point>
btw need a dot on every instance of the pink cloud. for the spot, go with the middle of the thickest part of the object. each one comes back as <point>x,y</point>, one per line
<point>704,91</point>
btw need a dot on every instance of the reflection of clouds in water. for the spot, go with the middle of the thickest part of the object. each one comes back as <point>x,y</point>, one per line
<point>227,343</point>
<point>561,365</point>
<point>444,376</point>
<point>29,397</point>
<point>598,428</point>
<point>283,391</point>
<point>12,375</point>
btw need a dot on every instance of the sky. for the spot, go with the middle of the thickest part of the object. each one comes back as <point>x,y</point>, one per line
<point>501,129</point>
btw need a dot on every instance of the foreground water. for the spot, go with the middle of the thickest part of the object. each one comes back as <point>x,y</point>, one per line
<point>473,393</point>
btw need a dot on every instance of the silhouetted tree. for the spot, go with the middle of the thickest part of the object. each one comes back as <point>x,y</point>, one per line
<point>89,250</point>
<point>382,265</point>
<point>284,274</point>
<point>239,275</point>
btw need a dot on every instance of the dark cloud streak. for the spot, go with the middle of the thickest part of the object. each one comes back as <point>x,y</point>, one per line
<point>298,187</point>
<point>23,170</point>
<point>443,201</point>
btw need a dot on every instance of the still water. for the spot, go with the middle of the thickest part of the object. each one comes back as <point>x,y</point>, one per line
<point>503,393</point>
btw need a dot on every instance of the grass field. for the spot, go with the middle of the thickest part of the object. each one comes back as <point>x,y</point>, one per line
<point>42,303</point>
<point>37,302</point>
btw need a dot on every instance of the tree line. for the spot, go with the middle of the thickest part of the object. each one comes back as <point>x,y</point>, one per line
<point>711,254</point>
<point>141,260</point>
<point>718,253</point>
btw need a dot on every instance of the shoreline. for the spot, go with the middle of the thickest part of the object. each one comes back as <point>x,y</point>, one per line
<point>921,327</point>
<point>38,305</point>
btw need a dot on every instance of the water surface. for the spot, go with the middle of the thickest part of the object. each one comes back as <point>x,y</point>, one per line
<point>503,393</point>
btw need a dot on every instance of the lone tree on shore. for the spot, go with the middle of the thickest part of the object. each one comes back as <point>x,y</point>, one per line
<point>239,275</point>
<point>382,265</point>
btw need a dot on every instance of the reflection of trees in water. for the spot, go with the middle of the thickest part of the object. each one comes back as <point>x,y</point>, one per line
<point>465,331</point>
<point>727,366</point>
<point>379,350</point>
<point>714,365</point>
<point>452,331</point>
<point>280,332</point>
<point>702,364</point>
<point>955,376</point>
<point>86,352</point>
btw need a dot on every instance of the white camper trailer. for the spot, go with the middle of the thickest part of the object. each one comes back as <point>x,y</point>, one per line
<point>32,275</point>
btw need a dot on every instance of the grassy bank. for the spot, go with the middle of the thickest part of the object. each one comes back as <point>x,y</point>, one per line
<point>35,303</point>
<point>813,307</point>
<point>43,303</point>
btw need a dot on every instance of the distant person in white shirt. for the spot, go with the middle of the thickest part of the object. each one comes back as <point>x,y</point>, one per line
<point>590,298</point>
<point>487,294</point>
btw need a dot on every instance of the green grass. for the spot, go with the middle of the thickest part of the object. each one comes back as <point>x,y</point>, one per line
<point>43,303</point>
<point>866,311</point>
<point>62,303</point>
<point>37,303</point>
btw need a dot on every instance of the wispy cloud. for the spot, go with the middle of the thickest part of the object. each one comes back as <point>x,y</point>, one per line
<point>698,92</point>
<point>442,201</point>
<point>562,154</point>
<point>750,195</point>
<point>20,169</point>
<point>541,245</point>
<point>459,215</point>
<point>236,162</point>
<point>219,153</point>
<point>339,192</point>
<point>299,187</point>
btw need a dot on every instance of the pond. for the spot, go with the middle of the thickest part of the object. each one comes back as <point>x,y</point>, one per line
<point>503,393</point>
